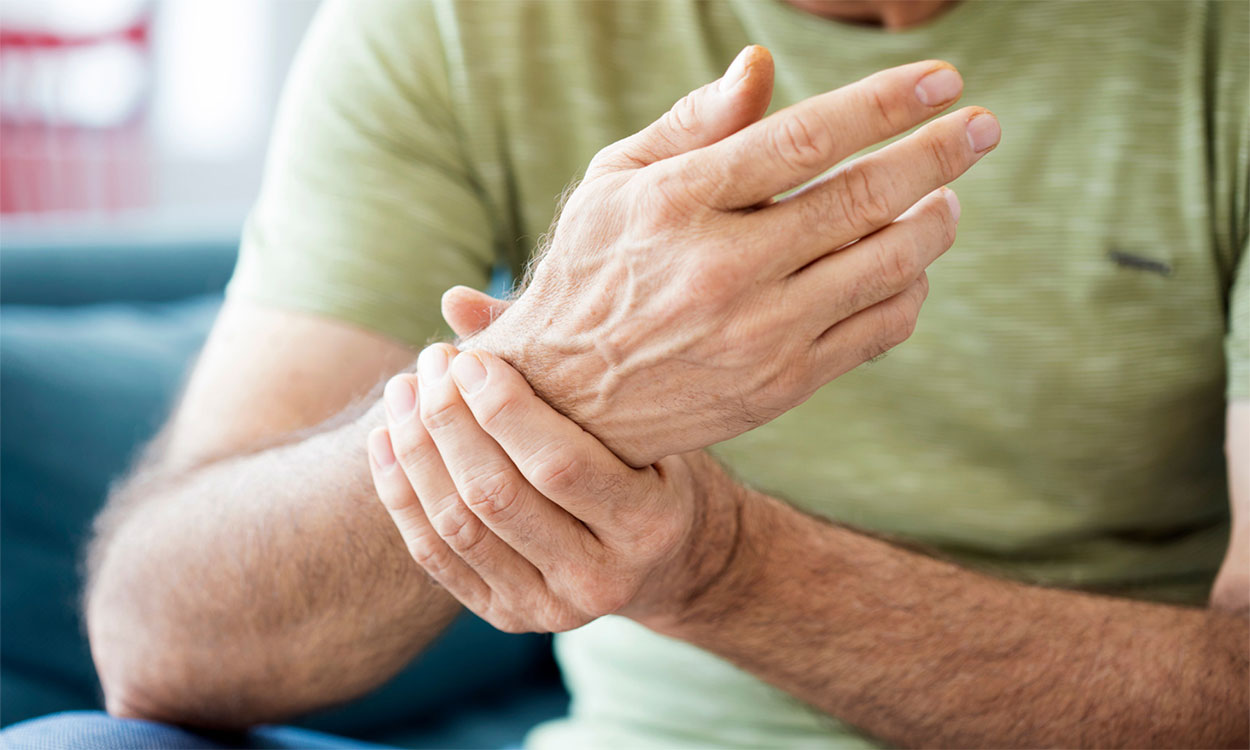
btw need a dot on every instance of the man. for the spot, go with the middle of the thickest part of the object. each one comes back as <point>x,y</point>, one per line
<point>1052,431</point>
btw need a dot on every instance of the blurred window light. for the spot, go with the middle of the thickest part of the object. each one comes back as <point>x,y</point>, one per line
<point>211,98</point>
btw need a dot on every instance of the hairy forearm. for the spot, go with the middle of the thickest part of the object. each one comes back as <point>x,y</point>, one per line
<point>255,587</point>
<point>917,651</point>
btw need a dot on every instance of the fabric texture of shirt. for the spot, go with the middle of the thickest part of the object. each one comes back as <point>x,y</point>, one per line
<point>1058,415</point>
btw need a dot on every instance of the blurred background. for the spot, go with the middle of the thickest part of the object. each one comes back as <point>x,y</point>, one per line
<point>133,119</point>
<point>132,139</point>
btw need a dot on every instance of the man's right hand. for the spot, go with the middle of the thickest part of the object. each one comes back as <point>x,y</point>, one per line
<point>679,305</point>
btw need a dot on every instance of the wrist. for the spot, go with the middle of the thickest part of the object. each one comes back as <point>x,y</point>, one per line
<point>724,563</point>
<point>568,378</point>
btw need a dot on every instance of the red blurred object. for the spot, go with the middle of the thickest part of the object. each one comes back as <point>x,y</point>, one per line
<point>72,126</point>
<point>136,33</point>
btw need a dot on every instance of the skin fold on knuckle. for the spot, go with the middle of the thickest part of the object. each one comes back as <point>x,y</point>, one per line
<point>863,203</point>
<point>683,118</point>
<point>880,102</point>
<point>801,145</point>
<point>439,413</point>
<point>945,153</point>
<point>898,265</point>
<point>460,529</point>
<point>432,559</point>
<point>493,497</point>
<point>499,406</point>
<point>558,469</point>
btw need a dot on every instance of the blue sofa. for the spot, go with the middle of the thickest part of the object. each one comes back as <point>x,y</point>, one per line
<point>94,342</point>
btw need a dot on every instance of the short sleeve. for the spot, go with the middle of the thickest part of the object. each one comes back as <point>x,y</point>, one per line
<point>1229,84</point>
<point>368,210</point>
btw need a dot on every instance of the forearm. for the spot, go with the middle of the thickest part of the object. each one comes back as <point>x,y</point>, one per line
<point>256,587</point>
<point>920,652</point>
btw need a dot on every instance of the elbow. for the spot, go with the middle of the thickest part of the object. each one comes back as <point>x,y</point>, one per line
<point>135,687</point>
<point>129,662</point>
<point>146,671</point>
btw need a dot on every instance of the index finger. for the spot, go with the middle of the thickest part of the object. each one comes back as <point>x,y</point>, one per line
<point>790,147</point>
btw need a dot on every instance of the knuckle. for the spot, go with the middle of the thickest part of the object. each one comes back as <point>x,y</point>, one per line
<point>435,560</point>
<point>560,470</point>
<point>493,496</point>
<point>900,322</point>
<point>609,158</point>
<point>462,531</point>
<point>505,621</point>
<point>713,279</point>
<point>945,161</point>
<point>883,107</point>
<point>438,413</point>
<point>801,145</point>
<point>501,404</point>
<point>595,595</point>
<point>684,115</point>
<point>607,600</point>
<point>558,614</point>
<point>901,265</point>
<point>863,201</point>
<point>666,202</point>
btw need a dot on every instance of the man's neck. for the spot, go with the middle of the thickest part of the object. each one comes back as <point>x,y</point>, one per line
<point>894,15</point>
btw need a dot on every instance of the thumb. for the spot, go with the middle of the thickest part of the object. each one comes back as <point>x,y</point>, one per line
<point>702,117</point>
<point>468,311</point>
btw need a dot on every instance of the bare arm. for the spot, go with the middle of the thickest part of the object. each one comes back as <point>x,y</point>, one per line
<point>916,651</point>
<point>921,652</point>
<point>231,582</point>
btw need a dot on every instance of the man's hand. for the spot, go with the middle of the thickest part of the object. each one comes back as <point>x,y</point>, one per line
<point>529,521</point>
<point>534,525</point>
<point>679,305</point>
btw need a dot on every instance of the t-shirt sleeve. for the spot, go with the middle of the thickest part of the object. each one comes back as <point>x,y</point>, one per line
<point>1230,168</point>
<point>368,210</point>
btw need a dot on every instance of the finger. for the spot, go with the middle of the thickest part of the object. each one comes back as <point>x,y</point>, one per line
<point>504,571</point>
<point>468,311</point>
<point>792,146</point>
<point>880,265</point>
<point>872,191</point>
<point>488,482</point>
<point>703,116</point>
<point>559,458</point>
<point>869,333</point>
<point>425,546</point>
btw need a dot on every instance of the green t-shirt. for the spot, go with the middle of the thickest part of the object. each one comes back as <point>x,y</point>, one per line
<point>1058,415</point>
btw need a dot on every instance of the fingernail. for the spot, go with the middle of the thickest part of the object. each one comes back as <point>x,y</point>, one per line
<point>432,364</point>
<point>468,372</point>
<point>380,449</point>
<point>952,201</point>
<point>983,132</point>
<point>737,71</point>
<point>939,87</point>
<point>400,398</point>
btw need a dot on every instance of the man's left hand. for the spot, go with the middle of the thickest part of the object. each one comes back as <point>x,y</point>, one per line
<point>529,520</point>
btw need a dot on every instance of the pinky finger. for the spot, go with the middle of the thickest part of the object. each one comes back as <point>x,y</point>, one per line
<point>425,546</point>
<point>869,333</point>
